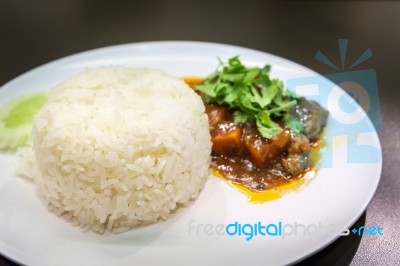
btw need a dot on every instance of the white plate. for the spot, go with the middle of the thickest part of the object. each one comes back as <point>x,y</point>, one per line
<point>336,197</point>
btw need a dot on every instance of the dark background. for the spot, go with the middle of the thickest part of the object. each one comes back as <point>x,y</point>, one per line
<point>36,32</point>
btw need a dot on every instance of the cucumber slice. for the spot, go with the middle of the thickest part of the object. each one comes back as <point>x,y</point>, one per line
<point>16,118</point>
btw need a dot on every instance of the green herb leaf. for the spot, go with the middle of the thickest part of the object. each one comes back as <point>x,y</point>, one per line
<point>266,126</point>
<point>293,124</point>
<point>242,117</point>
<point>251,93</point>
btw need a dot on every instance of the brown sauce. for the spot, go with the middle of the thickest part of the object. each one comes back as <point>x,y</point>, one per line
<point>261,168</point>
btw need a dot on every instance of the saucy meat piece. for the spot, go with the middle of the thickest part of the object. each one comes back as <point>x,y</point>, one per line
<point>263,151</point>
<point>227,139</point>
<point>226,135</point>
<point>231,139</point>
<point>215,113</point>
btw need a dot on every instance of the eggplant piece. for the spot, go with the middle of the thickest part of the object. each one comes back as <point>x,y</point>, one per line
<point>312,117</point>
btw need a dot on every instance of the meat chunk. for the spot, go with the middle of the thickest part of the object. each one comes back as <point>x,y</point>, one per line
<point>263,151</point>
<point>215,114</point>
<point>227,139</point>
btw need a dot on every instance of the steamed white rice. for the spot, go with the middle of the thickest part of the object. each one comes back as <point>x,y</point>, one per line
<point>117,147</point>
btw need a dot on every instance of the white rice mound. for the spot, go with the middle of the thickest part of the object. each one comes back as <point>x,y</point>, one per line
<point>118,147</point>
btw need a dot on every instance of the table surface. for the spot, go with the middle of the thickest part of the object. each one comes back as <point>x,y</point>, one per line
<point>33,34</point>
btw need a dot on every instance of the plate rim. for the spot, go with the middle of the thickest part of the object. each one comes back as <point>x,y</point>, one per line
<point>171,43</point>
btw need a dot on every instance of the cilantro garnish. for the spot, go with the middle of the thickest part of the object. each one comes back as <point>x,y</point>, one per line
<point>253,96</point>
